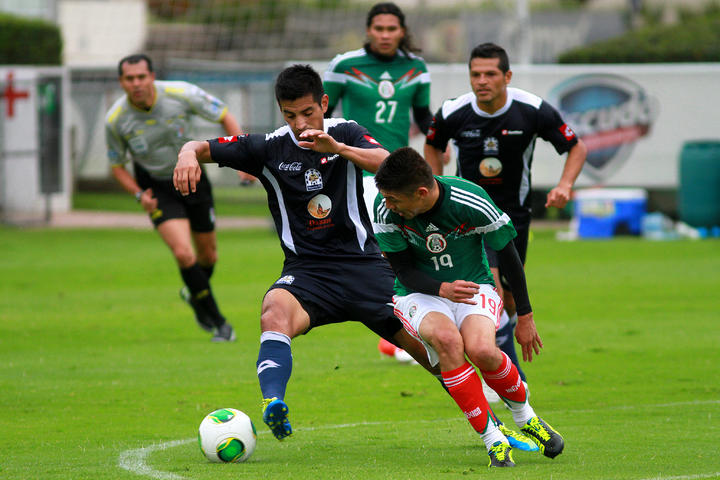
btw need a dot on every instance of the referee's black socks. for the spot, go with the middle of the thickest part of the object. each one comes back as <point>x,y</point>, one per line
<point>198,283</point>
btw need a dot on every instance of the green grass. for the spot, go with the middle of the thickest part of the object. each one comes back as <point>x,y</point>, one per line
<point>229,201</point>
<point>99,358</point>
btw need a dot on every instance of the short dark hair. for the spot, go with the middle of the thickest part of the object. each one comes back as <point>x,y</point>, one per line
<point>404,171</point>
<point>406,44</point>
<point>133,59</point>
<point>297,81</point>
<point>490,50</point>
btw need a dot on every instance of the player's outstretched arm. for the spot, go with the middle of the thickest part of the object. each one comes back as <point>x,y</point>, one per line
<point>187,169</point>
<point>368,159</point>
<point>560,195</point>
<point>525,331</point>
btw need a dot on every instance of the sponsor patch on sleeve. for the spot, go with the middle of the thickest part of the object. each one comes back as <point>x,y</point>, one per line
<point>372,140</point>
<point>228,139</point>
<point>431,133</point>
<point>567,131</point>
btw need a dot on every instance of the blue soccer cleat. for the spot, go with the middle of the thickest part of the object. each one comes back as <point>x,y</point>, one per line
<point>275,416</point>
<point>518,440</point>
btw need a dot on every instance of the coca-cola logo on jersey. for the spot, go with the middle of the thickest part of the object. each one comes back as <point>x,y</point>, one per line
<point>610,113</point>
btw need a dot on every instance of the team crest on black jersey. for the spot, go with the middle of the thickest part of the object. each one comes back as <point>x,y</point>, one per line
<point>491,146</point>
<point>436,243</point>
<point>313,180</point>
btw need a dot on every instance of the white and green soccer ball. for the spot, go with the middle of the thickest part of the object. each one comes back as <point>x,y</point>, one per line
<point>227,436</point>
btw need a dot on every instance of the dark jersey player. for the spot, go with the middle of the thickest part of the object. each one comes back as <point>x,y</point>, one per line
<point>333,270</point>
<point>495,128</point>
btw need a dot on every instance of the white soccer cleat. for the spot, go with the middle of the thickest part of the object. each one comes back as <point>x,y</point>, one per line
<point>404,357</point>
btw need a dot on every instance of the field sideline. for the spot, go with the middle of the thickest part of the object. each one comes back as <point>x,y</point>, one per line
<point>100,361</point>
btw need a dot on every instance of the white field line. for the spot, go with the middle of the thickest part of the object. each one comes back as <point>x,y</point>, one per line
<point>134,460</point>
<point>687,477</point>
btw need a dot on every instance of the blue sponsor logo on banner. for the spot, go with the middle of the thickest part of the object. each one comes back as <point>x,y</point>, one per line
<point>610,113</point>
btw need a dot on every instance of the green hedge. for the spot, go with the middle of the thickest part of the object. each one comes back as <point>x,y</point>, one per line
<point>26,41</point>
<point>694,40</point>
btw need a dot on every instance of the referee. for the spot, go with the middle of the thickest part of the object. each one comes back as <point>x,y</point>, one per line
<point>149,125</point>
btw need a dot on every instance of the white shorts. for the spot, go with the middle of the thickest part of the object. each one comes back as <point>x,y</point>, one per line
<point>369,194</point>
<point>412,309</point>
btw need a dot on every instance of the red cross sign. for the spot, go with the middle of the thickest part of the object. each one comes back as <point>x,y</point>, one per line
<point>10,95</point>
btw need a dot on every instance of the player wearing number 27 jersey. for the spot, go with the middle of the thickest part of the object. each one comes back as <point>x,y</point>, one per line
<point>447,241</point>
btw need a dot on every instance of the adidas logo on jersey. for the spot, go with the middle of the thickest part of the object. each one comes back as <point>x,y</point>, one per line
<point>431,228</point>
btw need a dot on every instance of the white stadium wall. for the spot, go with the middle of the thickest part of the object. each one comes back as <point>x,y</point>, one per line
<point>635,117</point>
<point>35,173</point>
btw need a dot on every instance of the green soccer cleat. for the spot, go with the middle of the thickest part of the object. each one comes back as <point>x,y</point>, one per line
<point>550,441</point>
<point>275,416</point>
<point>518,440</point>
<point>500,455</point>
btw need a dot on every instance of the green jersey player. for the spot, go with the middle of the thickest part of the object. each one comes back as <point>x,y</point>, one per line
<point>432,231</point>
<point>378,85</point>
<point>148,125</point>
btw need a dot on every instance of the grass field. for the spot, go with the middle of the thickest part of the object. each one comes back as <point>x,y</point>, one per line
<point>104,375</point>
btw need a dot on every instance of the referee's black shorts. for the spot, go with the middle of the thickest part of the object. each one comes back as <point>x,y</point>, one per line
<point>521,243</point>
<point>332,291</point>
<point>198,207</point>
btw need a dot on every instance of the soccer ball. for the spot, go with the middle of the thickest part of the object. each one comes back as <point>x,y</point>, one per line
<point>227,435</point>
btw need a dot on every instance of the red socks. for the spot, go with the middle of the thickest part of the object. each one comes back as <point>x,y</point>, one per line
<point>465,388</point>
<point>506,381</point>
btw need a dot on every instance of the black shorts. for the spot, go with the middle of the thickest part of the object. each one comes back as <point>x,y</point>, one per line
<point>197,207</point>
<point>358,290</point>
<point>521,244</point>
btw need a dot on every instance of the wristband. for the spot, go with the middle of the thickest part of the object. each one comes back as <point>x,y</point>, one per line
<point>138,196</point>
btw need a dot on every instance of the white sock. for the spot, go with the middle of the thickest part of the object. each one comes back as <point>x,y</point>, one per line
<point>492,435</point>
<point>521,412</point>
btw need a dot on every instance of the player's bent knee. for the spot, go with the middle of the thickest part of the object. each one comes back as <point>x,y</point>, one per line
<point>485,356</point>
<point>281,312</point>
<point>446,341</point>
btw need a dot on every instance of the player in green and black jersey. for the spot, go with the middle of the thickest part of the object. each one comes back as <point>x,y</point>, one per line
<point>378,85</point>
<point>432,231</point>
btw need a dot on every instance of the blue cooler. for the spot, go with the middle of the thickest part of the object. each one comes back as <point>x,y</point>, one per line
<point>605,212</point>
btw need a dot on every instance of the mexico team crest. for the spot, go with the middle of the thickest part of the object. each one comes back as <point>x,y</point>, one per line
<point>436,243</point>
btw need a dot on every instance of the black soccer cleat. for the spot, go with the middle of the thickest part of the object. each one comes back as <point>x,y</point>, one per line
<point>551,443</point>
<point>224,333</point>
